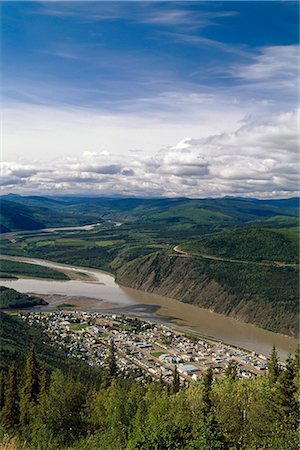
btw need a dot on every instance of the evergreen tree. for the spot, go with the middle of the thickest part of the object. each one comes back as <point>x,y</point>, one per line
<point>10,412</point>
<point>207,385</point>
<point>61,410</point>
<point>287,393</point>
<point>176,380</point>
<point>2,390</point>
<point>297,359</point>
<point>43,380</point>
<point>31,377</point>
<point>274,366</point>
<point>161,381</point>
<point>231,371</point>
<point>30,390</point>
<point>112,369</point>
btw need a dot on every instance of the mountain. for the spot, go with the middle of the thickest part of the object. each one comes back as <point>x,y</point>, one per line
<point>33,212</point>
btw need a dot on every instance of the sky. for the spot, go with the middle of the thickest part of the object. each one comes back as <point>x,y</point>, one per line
<point>150,99</point>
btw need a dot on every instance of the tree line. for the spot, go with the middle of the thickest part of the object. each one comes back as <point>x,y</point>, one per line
<point>41,410</point>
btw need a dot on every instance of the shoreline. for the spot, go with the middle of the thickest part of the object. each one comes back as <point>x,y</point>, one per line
<point>187,317</point>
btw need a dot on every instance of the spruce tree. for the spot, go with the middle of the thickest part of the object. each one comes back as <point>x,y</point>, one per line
<point>30,390</point>
<point>31,377</point>
<point>112,368</point>
<point>207,385</point>
<point>2,390</point>
<point>274,366</point>
<point>43,380</point>
<point>287,393</point>
<point>176,380</point>
<point>10,412</point>
<point>231,371</point>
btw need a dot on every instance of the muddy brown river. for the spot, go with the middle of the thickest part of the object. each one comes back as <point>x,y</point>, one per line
<point>99,292</point>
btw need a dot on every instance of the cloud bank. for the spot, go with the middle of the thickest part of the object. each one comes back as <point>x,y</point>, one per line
<point>259,159</point>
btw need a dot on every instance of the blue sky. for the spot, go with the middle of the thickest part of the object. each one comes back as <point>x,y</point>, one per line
<point>147,84</point>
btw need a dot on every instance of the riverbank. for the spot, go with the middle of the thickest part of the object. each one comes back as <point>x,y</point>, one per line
<point>102,292</point>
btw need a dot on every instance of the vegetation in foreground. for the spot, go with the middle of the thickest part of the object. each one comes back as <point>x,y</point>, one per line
<point>54,411</point>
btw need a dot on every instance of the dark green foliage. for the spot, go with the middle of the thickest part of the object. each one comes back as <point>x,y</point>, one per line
<point>274,366</point>
<point>176,380</point>
<point>251,244</point>
<point>231,371</point>
<point>287,390</point>
<point>112,369</point>
<point>17,339</point>
<point>207,385</point>
<point>18,217</point>
<point>10,411</point>
<point>31,377</point>
<point>15,268</point>
<point>208,415</point>
<point>11,299</point>
<point>61,407</point>
<point>2,390</point>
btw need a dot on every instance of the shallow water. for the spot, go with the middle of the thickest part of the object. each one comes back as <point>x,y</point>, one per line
<point>101,292</point>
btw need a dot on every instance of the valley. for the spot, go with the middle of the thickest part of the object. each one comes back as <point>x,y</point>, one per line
<point>236,257</point>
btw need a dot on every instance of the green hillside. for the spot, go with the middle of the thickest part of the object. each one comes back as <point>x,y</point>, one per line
<point>254,244</point>
<point>15,216</point>
<point>34,212</point>
<point>17,339</point>
<point>11,299</point>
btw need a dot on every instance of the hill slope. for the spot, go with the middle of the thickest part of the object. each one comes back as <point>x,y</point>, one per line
<point>11,299</point>
<point>263,295</point>
<point>17,339</point>
<point>254,244</point>
<point>34,212</point>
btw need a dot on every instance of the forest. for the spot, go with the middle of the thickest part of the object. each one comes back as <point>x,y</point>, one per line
<point>51,409</point>
<point>10,299</point>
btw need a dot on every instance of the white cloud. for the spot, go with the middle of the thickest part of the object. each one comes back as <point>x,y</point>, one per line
<point>259,159</point>
<point>274,62</point>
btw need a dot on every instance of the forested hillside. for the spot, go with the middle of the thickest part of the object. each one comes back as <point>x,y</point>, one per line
<point>11,299</point>
<point>29,213</point>
<point>16,340</point>
<point>43,411</point>
<point>253,244</point>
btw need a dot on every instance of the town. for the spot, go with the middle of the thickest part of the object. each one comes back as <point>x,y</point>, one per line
<point>144,348</point>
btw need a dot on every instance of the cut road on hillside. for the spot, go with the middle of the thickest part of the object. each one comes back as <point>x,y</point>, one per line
<point>185,254</point>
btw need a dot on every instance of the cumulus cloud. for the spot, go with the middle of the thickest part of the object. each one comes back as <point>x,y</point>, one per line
<point>258,159</point>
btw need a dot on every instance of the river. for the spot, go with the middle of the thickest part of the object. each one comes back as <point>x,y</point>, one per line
<point>100,292</point>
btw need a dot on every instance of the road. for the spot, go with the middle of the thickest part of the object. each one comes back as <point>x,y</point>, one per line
<point>185,254</point>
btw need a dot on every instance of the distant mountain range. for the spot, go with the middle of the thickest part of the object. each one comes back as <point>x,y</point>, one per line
<point>35,212</point>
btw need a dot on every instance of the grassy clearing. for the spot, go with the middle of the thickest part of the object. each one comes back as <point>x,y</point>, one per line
<point>157,354</point>
<point>79,326</point>
<point>71,242</point>
<point>108,243</point>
